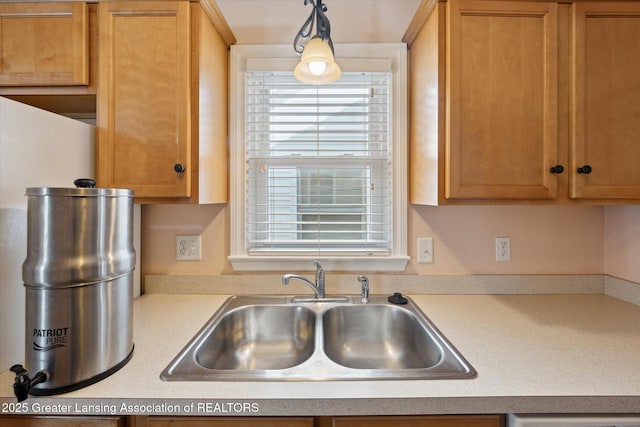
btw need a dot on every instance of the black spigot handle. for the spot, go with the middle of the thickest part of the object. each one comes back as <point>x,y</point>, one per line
<point>22,383</point>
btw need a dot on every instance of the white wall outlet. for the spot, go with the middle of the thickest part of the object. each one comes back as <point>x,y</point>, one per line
<point>188,248</point>
<point>425,250</point>
<point>503,249</point>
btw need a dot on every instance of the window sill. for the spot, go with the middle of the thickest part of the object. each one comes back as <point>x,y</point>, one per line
<point>392,264</point>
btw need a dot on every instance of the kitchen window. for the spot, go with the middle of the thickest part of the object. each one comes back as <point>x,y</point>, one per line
<point>318,172</point>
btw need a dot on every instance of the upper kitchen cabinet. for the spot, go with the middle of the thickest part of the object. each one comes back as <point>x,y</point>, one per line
<point>505,108</point>
<point>162,100</point>
<point>483,102</point>
<point>48,56</point>
<point>44,44</point>
<point>605,134</point>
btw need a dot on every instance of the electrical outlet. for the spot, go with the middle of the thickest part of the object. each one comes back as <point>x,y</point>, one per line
<point>425,250</point>
<point>503,249</point>
<point>188,248</point>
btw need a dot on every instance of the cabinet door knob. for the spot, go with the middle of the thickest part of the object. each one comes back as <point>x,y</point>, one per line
<point>586,169</point>
<point>179,167</point>
<point>556,169</point>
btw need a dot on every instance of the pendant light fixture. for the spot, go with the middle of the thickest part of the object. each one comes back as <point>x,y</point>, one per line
<point>317,65</point>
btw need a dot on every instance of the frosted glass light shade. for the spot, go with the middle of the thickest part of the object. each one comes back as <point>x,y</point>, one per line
<point>317,65</point>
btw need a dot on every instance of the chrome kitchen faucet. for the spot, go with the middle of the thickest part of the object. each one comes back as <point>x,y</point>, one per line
<point>318,287</point>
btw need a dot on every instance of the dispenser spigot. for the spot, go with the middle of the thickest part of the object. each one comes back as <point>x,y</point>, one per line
<point>23,384</point>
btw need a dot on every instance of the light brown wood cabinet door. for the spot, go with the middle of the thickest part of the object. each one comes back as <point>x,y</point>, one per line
<point>420,421</point>
<point>144,133</point>
<point>502,107</point>
<point>605,100</point>
<point>44,44</point>
<point>230,422</point>
<point>61,421</point>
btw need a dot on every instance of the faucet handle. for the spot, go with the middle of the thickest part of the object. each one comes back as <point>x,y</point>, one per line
<point>319,272</point>
<point>364,282</point>
<point>319,279</point>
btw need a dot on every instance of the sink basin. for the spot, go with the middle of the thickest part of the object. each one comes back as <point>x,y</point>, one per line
<point>259,337</point>
<point>255,338</point>
<point>378,337</point>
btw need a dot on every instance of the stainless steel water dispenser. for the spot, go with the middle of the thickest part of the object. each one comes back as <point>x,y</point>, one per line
<point>78,277</point>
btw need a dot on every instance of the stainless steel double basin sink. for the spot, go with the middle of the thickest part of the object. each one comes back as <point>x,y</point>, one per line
<point>280,338</point>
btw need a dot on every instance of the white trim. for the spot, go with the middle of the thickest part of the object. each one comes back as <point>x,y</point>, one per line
<point>387,264</point>
<point>359,53</point>
<point>400,152</point>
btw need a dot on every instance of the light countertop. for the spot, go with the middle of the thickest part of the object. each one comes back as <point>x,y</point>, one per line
<point>533,353</point>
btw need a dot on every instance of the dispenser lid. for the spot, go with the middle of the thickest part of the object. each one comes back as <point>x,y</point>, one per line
<point>84,188</point>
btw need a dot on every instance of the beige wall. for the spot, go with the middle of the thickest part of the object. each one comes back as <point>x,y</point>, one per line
<point>544,239</point>
<point>622,242</point>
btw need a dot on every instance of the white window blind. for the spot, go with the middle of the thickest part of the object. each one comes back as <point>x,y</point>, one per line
<point>318,171</point>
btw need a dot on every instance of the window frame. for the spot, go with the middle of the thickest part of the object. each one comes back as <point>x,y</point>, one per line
<point>353,57</point>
